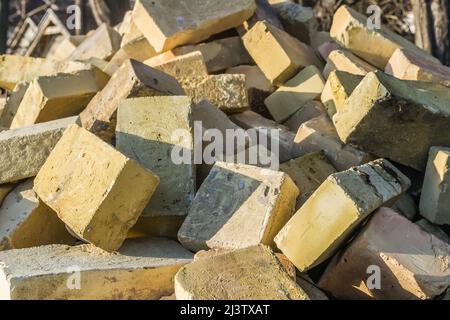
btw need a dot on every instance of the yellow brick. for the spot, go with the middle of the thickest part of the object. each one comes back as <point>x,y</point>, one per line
<point>343,60</point>
<point>338,89</point>
<point>143,269</point>
<point>287,54</point>
<point>14,69</point>
<point>171,23</point>
<point>54,97</point>
<point>409,66</point>
<point>26,222</point>
<point>98,192</point>
<point>376,46</point>
<point>305,86</point>
<point>337,207</point>
<point>133,79</point>
<point>253,273</point>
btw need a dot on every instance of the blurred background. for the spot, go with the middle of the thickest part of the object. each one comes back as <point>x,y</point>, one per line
<point>29,27</point>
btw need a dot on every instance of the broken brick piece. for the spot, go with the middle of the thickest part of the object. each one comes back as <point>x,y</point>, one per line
<point>335,209</point>
<point>435,198</point>
<point>238,206</point>
<point>343,60</point>
<point>219,54</point>
<point>246,274</point>
<point>26,222</point>
<point>145,132</point>
<point>319,134</point>
<point>133,79</point>
<point>23,151</point>
<point>101,44</point>
<point>143,269</point>
<point>15,68</point>
<point>337,90</point>
<point>396,119</point>
<point>350,30</point>
<point>53,97</point>
<point>409,66</point>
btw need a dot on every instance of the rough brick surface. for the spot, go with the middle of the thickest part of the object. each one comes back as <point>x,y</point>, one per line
<point>238,206</point>
<point>143,269</point>
<point>98,192</point>
<point>171,23</point>
<point>335,209</point>
<point>251,273</point>
<point>23,151</point>
<point>413,264</point>
<point>399,120</point>
<point>435,198</point>
<point>145,133</point>
<point>26,222</point>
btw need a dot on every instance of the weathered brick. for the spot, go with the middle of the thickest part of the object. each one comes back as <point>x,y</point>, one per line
<point>26,222</point>
<point>142,269</point>
<point>170,23</point>
<point>409,66</point>
<point>227,91</point>
<point>335,209</point>
<point>133,79</point>
<point>219,54</point>
<point>246,274</point>
<point>98,192</point>
<point>435,198</point>
<point>376,46</point>
<point>288,266</point>
<point>396,119</point>
<point>337,90</point>
<point>62,50</point>
<point>287,54</point>
<point>102,44</point>
<point>54,97</point>
<point>238,206</point>
<point>14,69</point>
<point>258,87</point>
<point>145,133</point>
<point>319,134</point>
<point>413,264</point>
<point>308,173</point>
<point>343,60</point>
<point>305,86</point>
<point>23,151</point>
<point>433,229</point>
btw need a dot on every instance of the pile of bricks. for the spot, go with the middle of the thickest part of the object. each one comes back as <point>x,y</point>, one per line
<point>93,205</point>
